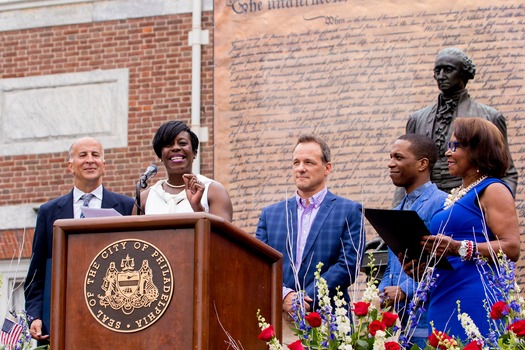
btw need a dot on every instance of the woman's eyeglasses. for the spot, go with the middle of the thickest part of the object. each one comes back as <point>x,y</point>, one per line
<point>453,145</point>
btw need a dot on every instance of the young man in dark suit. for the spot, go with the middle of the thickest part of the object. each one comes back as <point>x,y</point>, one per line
<point>86,164</point>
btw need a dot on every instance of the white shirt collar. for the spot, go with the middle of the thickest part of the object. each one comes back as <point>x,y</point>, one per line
<point>78,193</point>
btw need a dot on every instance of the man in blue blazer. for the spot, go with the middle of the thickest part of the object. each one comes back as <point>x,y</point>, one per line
<point>86,164</point>
<point>411,160</point>
<point>314,226</point>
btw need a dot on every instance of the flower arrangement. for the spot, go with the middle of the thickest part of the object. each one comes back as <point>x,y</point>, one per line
<point>374,328</point>
<point>507,315</point>
<point>331,327</point>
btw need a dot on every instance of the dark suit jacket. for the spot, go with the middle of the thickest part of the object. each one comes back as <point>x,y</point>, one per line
<point>38,281</point>
<point>422,122</point>
<point>336,238</point>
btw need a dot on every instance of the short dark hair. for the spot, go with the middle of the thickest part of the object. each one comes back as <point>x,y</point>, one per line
<point>422,146</point>
<point>327,158</point>
<point>469,68</point>
<point>167,133</point>
<point>487,149</point>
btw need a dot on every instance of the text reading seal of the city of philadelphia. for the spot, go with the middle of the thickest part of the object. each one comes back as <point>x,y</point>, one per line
<point>128,285</point>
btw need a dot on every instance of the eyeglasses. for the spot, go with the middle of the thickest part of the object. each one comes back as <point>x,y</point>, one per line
<point>453,145</point>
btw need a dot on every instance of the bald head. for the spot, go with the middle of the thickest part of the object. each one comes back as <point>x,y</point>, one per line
<point>83,140</point>
<point>86,163</point>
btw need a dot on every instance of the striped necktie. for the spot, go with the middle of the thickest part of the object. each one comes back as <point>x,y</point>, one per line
<point>85,198</point>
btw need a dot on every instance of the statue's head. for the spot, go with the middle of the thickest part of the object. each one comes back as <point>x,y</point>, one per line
<point>453,69</point>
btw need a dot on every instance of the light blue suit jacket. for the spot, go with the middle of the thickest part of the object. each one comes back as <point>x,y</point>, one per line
<point>336,238</point>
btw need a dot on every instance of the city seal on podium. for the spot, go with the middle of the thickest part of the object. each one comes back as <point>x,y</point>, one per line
<point>128,285</point>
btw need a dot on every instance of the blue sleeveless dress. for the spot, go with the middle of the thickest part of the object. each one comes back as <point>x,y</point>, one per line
<point>463,220</point>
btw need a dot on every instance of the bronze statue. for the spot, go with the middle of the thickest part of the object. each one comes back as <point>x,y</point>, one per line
<point>452,71</point>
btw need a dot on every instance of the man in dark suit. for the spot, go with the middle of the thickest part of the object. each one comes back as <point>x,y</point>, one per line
<point>313,226</point>
<point>452,71</point>
<point>86,164</point>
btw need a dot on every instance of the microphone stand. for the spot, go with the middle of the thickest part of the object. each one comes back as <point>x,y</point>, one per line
<point>141,184</point>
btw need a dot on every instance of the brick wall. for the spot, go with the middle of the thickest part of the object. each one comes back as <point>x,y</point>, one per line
<point>156,52</point>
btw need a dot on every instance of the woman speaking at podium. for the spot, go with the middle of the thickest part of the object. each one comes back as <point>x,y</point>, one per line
<point>183,192</point>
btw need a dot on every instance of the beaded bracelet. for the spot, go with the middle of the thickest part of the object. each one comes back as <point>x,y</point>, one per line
<point>467,249</point>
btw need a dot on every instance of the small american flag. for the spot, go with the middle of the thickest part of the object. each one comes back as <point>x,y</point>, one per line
<point>10,333</point>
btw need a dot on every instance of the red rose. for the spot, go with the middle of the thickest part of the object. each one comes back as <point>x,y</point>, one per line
<point>296,345</point>
<point>498,310</point>
<point>433,340</point>
<point>389,319</point>
<point>375,326</point>
<point>390,345</point>
<point>361,308</point>
<point>313,319</point>
<point>267,334</point>
<point>473,345</point>
<point>518,328</point>
<point>438,338</point>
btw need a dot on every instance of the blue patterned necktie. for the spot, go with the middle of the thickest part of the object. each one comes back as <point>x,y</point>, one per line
<point>85,198</point>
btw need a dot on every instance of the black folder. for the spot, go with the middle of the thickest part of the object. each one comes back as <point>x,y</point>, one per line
<point>402,231</point>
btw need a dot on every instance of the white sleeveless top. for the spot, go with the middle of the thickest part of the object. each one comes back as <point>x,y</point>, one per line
<point>162,202</point>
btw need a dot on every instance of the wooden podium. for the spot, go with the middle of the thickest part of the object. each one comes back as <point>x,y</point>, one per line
<point>161,282</point>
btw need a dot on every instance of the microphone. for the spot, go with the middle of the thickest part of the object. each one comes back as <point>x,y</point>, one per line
<point>151,171</point>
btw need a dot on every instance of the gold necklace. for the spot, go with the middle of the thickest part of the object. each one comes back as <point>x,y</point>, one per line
<point>459,192</point>
<point>174,186</point>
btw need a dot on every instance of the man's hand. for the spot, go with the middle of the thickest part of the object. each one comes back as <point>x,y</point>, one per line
<point>413,268</point>
<point>393,294</point>
<point>36,330</point>
<point>288,302</point>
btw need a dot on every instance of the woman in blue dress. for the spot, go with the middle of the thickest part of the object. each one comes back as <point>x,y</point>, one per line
<point>479,218</point>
